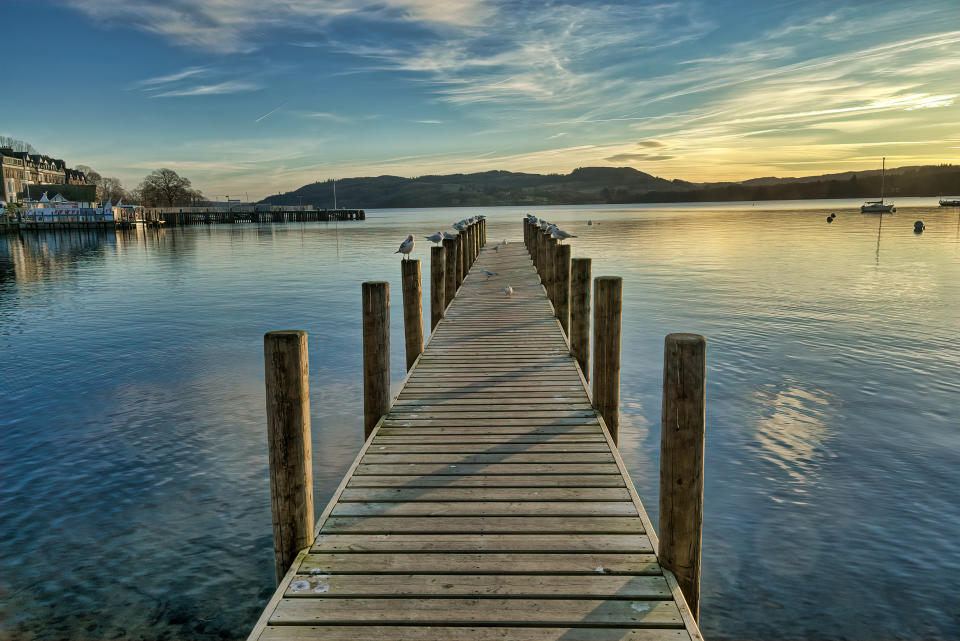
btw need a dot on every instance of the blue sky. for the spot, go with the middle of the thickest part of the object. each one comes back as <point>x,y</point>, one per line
<point>260,96</point>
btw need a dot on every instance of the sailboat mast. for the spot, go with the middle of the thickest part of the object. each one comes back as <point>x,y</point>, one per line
<point>334,194</point>
<point>883,177</point>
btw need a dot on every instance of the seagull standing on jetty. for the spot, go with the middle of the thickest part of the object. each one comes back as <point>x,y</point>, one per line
<point>406,247</point>
<point>488,273</point>
<point>435,238</point>
<point>508,290</point>
<point>448,236</point>
<point>560,235</point>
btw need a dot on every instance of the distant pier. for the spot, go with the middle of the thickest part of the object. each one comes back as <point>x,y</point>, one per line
<point>177,216</point>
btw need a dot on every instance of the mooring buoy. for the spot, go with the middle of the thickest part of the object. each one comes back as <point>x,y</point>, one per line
<point>918,227</point>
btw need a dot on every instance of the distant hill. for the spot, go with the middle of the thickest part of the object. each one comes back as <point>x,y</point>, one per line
<point>603,185</point>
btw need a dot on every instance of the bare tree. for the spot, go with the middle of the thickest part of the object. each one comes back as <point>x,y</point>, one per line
<point>17,145</point>
<point>110,189</point>
<point>166,188</point>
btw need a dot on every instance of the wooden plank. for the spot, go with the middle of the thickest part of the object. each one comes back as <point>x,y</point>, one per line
<point>483,524</point>
<point>487,508</point>
<point>502,402</point>
<point>493,440</point>
<point>488,480</point>
<point>460,611</point>
<point>373,457</point>
<point>465,633</point>
<point>391,428</point>
<point>380,495</point>
<point>457,469</point>
<point>617,586</point>
<point>478,563</point>
<point>491,424</point>
<point>499,447</point>
<point>623,543</point>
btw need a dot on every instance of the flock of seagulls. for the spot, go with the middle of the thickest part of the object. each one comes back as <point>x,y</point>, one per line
<point>406,247</point>
<point>555,232</point>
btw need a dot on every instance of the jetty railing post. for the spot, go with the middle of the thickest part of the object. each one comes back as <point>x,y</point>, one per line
<point>287,376</point>
<point>580,313</point>
<point>450,270</point>
<point>608,304</point>
<point>438,277</point>
<point>562,287</point>
<point>461,258</point>
<point>412,309</point>
<point>682,435</point>
<point>376,353</point>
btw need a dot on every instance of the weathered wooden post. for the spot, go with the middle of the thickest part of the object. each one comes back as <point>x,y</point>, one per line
<point>682,432</point>
<point>580,313</point>
<point>550,259</point>
<point>483,232</point>
<point>412,309</point>
<point>450,260</point>
<point>562,287</point>
<point>607,307</point>
<point>461,258</point>
<point>438,269</point>
<point>287,377</point>
<point>376,354</point>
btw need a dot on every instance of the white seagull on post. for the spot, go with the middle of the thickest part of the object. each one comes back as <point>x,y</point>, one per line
<point>561,235</point>
<point>406,247</point>
<point>435,238</point>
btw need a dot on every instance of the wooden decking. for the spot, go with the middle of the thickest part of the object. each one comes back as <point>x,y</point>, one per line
<point>489,504</point>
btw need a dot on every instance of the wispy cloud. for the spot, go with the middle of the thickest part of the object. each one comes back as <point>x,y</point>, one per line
<point>429,122</point>
<point>227,87</point>
<point>189,72</point>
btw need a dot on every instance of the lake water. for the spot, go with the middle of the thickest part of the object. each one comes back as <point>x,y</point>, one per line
<point>135,503</point>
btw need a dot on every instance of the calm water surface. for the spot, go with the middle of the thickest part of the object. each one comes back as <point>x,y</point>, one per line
<point>135,503</point>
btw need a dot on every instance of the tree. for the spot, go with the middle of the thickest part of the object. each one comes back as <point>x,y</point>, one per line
<point>16,144</point>
<point>166,188</point>
<point>107,188</point>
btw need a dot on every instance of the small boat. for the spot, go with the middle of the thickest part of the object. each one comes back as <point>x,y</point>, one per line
<point>878,206</point>
<point>950,202</point>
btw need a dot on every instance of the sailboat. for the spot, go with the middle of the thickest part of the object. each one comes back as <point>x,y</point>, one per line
<point>878,206</point>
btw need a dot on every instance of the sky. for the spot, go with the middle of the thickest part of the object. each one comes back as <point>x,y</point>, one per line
<point>253,97</point>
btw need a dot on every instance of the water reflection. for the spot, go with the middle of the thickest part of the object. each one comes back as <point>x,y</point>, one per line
<point>131,374</point>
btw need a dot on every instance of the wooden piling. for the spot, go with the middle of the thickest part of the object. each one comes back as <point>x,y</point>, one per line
<point>412,309</point>
<point>608,302</point>
<point>550,257</point>
<point>561,275</point>
<point>450,270</point>
<point>287,374</point>
<point>438,267</point>
<point>376,353</point>
<point>682,432</point>
<point>461,258</point>
<point>580,313</point>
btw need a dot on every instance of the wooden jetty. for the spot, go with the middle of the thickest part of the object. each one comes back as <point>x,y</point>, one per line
<point>489,501</point>
<point>177,216</point>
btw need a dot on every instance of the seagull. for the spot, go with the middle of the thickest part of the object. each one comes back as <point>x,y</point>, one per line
<point>459,226</point>
<point>435,238</point>
<point>544,225</point>
<point>488,273</point>
<point>561,235</point>
<point>503,242</point>
<point>406,247</point>
<point>448,236</point>
<point>508,290</point>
